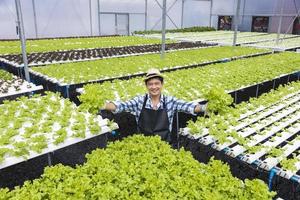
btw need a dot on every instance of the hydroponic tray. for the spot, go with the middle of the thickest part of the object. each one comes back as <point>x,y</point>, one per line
<point>275,126</point>
<point>252,40</point>
<point>69,90</point>
<point>60,133</point>
<point>11,89</point>
<point>35,59</point>
<point>42,130</point>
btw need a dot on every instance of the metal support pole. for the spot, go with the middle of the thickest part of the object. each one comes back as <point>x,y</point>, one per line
<point>91,22</point>
<point>163,30</point>
<point>128,24</point>
<point>236,21</point>
<point>280,22</point>
<point>98,5</point>
<point>210,12</point>
<point>116,24</point>
<point>182,12</point>
<point>146,14</point>
<point>34,18</point>
<point>22,38</point>
<point>166,14</point>
<point>243,15</point>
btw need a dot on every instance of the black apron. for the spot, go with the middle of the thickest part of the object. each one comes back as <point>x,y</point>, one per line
<point>154,122</point>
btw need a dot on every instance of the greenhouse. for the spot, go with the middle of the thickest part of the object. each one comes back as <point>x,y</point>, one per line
<point>150,99</point>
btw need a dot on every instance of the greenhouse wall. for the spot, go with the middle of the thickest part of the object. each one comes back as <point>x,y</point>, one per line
<point>252,8</point>
<point>55,18</point>
<point>196,13</point>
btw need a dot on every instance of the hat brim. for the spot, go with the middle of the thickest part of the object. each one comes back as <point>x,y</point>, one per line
<point>153,76</point>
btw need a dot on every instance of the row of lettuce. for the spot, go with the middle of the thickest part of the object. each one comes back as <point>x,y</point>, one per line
<point>182,30</point>
<point>224,119</point>
<point>73,43</point>
<point>31,125</point>
<point>79,72</point>
<point>192,84</point>
<point>10,84</point>
<point>47,45</point>
<point>140,167</point>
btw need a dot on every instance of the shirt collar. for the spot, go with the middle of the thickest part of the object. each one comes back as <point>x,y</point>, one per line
<point>162,99</point>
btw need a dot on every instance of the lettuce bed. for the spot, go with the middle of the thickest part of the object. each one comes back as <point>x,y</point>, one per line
<point>140,168</point>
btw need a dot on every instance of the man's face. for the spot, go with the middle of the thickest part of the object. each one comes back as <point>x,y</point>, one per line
<point>154,86</point>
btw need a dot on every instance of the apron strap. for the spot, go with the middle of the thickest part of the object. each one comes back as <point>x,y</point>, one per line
<point>165,107</point>
<point>145,100</point>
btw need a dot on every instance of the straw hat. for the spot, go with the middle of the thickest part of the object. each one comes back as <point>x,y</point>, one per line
<point>153,73</point>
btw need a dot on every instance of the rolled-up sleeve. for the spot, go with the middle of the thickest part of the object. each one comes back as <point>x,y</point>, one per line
<point>127,106</point>
<point>184,106</point>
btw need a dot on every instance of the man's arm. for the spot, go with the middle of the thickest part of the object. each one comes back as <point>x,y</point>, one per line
<point>120,106</point>
<point>188,107</point>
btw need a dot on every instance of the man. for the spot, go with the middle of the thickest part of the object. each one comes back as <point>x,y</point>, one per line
<point>154,111</point>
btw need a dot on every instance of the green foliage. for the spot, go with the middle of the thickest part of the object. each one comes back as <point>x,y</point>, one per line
<point>5,76</point>
<point>5,194</point>
<point>255,189</point>
<point>38,143</point>
<point>290,163</point>
<point>95,129</point>
<point>180,30</point>
<point>275,152</point>
<point>218,100</point>
<point>254,149</point>
<point>20,149</point>
<point>3,151</point>
<point>60,136</point>
<point>79,72</point>
<point>140,167</point>
<point>91,98</point>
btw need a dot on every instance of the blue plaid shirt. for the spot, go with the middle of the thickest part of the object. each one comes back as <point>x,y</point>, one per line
<point>135,106</point>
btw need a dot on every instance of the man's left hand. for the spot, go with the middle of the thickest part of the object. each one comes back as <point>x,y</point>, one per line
<point>201,108</point>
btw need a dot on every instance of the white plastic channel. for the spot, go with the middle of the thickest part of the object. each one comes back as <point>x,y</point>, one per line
<point>250,158</point>
<point>243,116</point>
<point>25,90</point>
<point>250,131</point>
<point>209,139</point>
<point>289,174</point>
<point>9,161</point>
<point>269,163</point>
<point>269,111</point>
<point>238,149</point>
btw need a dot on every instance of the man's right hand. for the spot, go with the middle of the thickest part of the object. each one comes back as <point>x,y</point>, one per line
<point>110,106</point>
